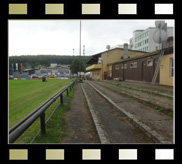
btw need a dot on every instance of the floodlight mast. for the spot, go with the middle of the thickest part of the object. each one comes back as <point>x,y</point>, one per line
<point>80,50</point>
<point>161,38</point>
<point>83,50</point>
<point>73,60</point>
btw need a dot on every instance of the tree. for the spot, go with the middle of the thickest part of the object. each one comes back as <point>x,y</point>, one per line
<point>32,61</point>
<point>77,66</point>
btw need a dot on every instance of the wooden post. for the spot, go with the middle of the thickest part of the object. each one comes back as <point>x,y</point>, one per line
<point>42,123</point>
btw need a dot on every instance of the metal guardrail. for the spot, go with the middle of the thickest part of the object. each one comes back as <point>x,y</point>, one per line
<point>18,129</point>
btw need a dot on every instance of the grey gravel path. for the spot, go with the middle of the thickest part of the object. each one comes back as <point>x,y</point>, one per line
<point>79,124</point>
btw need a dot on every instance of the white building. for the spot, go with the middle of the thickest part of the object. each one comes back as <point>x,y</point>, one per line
<point>142,40</point>
<point>53,65</point>
<point>58,70</point>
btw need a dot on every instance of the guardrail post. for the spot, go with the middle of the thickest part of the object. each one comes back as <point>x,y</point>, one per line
<point>42,123</point>
<point>67,91</point>
<point>61,99</point>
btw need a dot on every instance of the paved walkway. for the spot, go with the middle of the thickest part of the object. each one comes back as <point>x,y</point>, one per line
<point>79,123</point>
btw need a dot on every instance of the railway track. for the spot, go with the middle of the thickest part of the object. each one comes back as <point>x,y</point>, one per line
<point>144,96</point>
<point>157,126</point>
<point>112,125</point>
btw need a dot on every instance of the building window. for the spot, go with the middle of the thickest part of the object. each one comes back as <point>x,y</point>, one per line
<point>125,66</point>
<point>122,66</point>
<point>150,62</point>
<point>172,67</point>
<point>116,67</point>
<point>131,65</point>
<point>135,65</point>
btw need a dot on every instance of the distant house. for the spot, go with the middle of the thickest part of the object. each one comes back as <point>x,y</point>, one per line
<point>55,70</point>
<point>53,64</point>
<point>29,71</point>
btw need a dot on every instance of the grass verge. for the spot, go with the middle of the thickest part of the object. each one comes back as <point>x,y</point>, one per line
<point>55,127</point>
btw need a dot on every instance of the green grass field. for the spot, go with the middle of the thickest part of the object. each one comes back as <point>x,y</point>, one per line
<point>27,95</point>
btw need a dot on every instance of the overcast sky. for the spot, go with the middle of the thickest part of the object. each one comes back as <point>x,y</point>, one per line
<point>60,37</point>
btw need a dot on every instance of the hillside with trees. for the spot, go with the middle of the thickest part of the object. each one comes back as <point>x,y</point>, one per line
<point>38,61</point>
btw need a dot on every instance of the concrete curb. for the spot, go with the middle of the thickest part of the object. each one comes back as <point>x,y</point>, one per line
<point>147,130</point>
<point>100,132</point>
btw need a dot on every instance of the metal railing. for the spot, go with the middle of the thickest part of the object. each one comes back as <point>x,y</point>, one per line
<point>18,129</point>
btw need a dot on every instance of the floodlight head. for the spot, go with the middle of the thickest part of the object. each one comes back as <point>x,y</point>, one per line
<point>159,24</point>
<point>160,36</point>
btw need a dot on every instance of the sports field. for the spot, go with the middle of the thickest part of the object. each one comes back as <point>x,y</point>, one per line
<point>27,95</point>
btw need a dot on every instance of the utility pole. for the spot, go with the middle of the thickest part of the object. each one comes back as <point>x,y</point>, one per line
<point>83,50</point>
<point>73,61</point>
<point>80,50</point>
